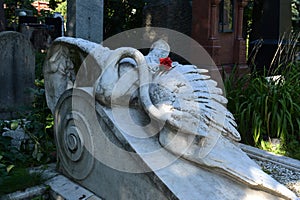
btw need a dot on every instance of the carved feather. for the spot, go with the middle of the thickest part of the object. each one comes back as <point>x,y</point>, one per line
<point>194,100</point>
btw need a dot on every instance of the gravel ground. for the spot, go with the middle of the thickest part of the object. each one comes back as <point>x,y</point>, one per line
<point>287,177</point>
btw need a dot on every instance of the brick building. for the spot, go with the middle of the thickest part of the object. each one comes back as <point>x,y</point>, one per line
<point>217,26</point>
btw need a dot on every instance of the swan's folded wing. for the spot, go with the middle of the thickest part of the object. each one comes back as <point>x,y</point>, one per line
<point>194,101</point>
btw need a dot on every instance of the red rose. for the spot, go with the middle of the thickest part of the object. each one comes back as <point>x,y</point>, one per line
<point>166,62</point>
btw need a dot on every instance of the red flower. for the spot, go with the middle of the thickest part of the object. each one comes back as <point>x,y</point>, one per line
<point>166,62</point>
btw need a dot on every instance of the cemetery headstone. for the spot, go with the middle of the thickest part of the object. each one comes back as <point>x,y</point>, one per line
<point>85,20</point>
<point>17,68</point>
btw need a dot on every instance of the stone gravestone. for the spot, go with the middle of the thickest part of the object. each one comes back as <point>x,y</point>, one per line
<point>85,20</point>
<point>17,68</point>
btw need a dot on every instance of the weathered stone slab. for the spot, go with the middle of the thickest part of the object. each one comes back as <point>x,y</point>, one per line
<point>17,68</point>
<point>85,20</point>
<point>259,154</point>
<point>63,188</point>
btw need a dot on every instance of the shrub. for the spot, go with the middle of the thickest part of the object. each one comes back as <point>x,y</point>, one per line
<point>268,107</point>
<point>19,180</point>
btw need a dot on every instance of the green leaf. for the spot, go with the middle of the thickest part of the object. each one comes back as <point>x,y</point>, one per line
<point>9,168</point>
<point>14,125</point>
<point>49,126</point>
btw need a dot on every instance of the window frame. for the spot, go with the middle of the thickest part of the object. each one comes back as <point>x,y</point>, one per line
<point>224,26</point>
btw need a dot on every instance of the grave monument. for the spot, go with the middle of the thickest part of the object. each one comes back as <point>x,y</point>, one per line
<point>85,19</point>
<point>130,126</point>
<point>17,63</point>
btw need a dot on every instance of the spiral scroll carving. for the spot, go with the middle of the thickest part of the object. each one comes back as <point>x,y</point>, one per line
<point>74,133</point>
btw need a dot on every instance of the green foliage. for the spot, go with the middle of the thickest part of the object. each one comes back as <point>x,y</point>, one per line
<point>19,179</point>
<point>37,122</point>
<point>275,148</point>
<point>62,8</point>
<point>7,156</point>
<point>267,108</point>
<point>10,10</point>
<point>53,4</point>
<point>10,156</point>
<point>267,104</point>
<point>40,148</point>
<point>121,15</point>
<point>40,127</point>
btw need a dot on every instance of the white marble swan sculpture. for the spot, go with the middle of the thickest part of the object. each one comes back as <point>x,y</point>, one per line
<point>198,126</point>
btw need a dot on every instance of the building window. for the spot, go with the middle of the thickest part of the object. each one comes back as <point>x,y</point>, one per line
<point>226,16</point>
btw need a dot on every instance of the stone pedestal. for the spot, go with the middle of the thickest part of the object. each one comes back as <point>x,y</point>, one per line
<point>85,20</point>
<point>116,165</point>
